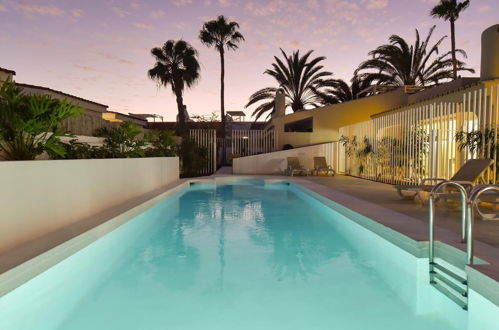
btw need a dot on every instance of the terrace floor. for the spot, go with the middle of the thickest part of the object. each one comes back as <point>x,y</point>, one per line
<point>384,195</point>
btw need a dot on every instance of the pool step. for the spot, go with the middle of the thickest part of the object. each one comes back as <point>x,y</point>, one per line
<point>453,285</point>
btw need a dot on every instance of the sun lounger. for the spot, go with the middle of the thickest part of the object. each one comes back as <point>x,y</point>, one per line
<point>321,166</point>
<point>466,175</point>
<point>294,167</point>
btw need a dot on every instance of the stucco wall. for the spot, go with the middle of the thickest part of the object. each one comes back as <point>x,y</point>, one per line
<point>86,124</point>
<point>328,120</point>
<point>38,197</point>
<point>275,162</point>
<point>5,75</point>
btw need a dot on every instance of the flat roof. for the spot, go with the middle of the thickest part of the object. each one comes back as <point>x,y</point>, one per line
<point>8,71</point>
<point>435,91</point>
<point>59,92</point>
<point>236,113</point>
<point>129,115</point>
<point>216,125</point>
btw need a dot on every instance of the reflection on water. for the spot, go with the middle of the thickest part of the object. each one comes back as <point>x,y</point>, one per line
<point>275,219</point>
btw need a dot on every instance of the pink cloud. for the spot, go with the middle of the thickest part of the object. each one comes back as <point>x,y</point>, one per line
<point>143,26</point>
<point>77,12</point>
<point>375,4</point>
<point>180,3</point>
<point>42,10</point>
<point>120,12</point>
<point>157,14</point>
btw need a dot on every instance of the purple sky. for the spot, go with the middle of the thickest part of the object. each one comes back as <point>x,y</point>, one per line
<point>99,49</point>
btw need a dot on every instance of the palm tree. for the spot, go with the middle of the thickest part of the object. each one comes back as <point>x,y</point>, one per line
<point>176,65</point>
<point>449,10</point>
<point>221,34</point>
<point>343,92</point>
<point>301,80</point>
<point>399,63</point>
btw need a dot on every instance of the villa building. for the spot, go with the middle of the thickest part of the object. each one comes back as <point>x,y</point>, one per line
<point>395,136</point>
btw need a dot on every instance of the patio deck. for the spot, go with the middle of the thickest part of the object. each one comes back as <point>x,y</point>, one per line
<point>384,195</point>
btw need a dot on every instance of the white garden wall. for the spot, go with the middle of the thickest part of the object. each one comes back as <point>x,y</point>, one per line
<point>275,162</point>
<point>37,197</point>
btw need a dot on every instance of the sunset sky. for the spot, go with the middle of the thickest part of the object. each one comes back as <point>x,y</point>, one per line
<point>100,49</point>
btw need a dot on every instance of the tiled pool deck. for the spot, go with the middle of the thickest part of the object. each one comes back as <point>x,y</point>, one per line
<point>486,231</point>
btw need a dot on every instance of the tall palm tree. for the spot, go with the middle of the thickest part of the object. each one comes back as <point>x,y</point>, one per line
<point>399,63</point>
<point>300,78</point>
<point>176,65</point>
<point>221,34</point>
<point>343,92</point>
<point>449,10</point>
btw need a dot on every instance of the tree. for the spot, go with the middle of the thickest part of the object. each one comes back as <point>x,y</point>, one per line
<point>341,91</point>
<point>301,80</point>
<point>176,65</point>
<point>399,63</point>
<point>449,10</point>
<point>221,34</point>
<point>30,124</point>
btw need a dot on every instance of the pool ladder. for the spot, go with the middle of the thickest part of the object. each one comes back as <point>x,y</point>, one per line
<point>442,277</point>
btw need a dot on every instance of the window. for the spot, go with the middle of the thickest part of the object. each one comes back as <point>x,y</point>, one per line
<point>304,125</point>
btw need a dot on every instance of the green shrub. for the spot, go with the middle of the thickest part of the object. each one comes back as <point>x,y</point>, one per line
<point>123,141</point>
<point>161,144</point>
<point>193,158</point>
<point>80,150</point>
<point>30,124</point>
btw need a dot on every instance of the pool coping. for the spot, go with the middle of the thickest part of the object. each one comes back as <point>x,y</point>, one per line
<point>402,230</point>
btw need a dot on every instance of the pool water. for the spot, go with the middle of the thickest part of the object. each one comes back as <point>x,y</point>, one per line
<point>240,256</point>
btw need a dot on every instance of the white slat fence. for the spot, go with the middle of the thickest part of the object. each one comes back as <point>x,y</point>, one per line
<point>406,146</point>
<point>252,142</point>
<point>207,138</point>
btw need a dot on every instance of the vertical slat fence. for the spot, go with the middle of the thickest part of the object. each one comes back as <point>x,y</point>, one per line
<point>406,146</point>
<point>206,138</point>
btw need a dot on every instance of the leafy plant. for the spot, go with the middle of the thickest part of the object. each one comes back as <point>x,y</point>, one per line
<point>300,77</point>
<point>161,144</point>
<point>363,153</point>
<point>30,124</point>
<point>221,34</point>
<point>393,156</point>
<point>340,91</point>
<point>450,10</point>
<point>80,150</point>
<point>213,117</point>
<point>399,63</point>
<point>176,65</point>
<point>193,157</point>
<point>123,141</point>
<point>359,151</point>
<point>478,141</point>
<point>350,144</point>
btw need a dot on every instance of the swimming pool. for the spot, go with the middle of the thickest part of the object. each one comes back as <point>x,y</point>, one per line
<point>240,255</point>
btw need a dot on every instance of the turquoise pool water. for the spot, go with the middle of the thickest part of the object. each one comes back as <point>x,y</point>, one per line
<point>240,256</point>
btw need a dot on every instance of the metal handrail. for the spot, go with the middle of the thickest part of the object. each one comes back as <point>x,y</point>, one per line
<point>475,193</point>
<point>464,224</point>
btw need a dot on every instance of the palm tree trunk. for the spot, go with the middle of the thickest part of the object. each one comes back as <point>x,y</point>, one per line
<point>180,129</point>
<point>453,46</point>
<point>222,105</point>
